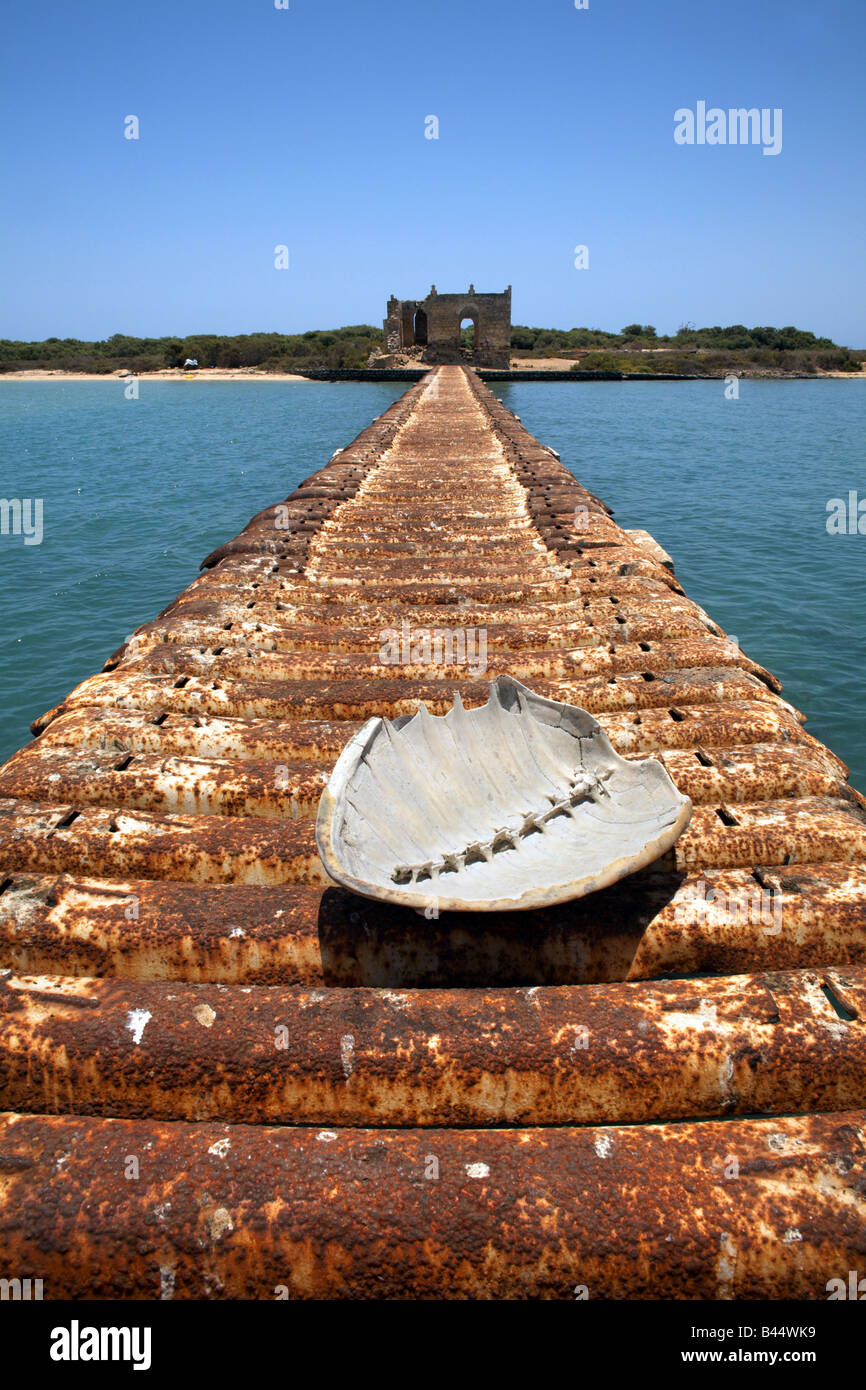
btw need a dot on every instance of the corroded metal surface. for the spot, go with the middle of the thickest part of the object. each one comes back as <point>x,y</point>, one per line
<point>158,866</point>
<point>716,921</point>
<point>600,1054</point>
<point>746,1209</point>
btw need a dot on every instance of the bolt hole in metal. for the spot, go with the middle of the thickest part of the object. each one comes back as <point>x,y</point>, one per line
<point>725,816</point>
<point>843,1012</point>
<point>790,885</point>
<point>67,820</point>
<point>4,884</point>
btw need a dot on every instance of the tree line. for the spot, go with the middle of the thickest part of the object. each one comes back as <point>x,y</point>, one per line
<point>788,349</point>
<point>689,351</point>
<point>341,347</point>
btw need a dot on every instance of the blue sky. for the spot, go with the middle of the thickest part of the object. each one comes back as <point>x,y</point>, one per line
<point>305,127</point>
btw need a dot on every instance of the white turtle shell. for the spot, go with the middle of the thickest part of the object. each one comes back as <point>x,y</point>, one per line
<point>520,803</point>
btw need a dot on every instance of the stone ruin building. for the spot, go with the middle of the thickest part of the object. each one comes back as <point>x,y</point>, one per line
<point>433,325</point>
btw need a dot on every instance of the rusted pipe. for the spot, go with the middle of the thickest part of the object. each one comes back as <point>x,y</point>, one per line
<point>601,1054</point>
<point>751,1209</point>
<point>713,921</point>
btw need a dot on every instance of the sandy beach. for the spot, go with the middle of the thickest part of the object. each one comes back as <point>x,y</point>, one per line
<point>564,364</point>
<point>544,364</point>
<point>167,374</point>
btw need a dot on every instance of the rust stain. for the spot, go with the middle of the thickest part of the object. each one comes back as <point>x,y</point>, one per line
<point>245,1211</point>
<point>595,1054</point>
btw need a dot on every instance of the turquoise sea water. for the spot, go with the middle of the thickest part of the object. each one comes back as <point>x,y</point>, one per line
<point>136,493</point>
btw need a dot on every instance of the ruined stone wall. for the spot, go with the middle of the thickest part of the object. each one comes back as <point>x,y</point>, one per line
<point>397,326</point>
<point>491,314</point>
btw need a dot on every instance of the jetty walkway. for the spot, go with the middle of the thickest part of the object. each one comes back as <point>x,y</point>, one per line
<point>223,1077</point>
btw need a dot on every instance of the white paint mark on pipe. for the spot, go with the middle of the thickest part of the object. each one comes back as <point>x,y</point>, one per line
<point>136,1021</point>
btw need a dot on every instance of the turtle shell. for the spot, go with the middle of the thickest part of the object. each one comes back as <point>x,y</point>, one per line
<point>520,803</point>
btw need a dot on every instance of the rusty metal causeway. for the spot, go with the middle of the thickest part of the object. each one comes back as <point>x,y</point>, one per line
<point>343,1099</point>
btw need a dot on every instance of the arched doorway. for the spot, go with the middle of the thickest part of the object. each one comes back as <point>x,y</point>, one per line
<point>420,328</point>
<point>468,335</point>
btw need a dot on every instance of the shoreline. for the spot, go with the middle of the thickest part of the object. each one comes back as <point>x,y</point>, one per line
<point>254,374</point>
<point>121,378</point>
